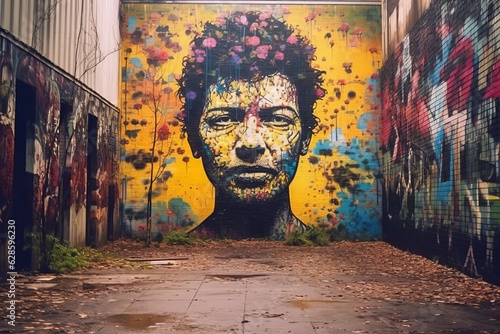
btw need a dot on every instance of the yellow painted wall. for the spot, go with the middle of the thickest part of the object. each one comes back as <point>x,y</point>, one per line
<point>352,137</point>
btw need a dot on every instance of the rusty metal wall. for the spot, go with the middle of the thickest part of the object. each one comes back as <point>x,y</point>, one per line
<point>80,36</point>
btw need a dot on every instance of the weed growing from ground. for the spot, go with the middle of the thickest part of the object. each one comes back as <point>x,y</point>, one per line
<point>313,236</point>
<point>179,238</point>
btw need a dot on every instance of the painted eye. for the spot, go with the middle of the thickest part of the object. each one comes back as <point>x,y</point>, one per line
<point>220,122</point>
<point>281,119</point>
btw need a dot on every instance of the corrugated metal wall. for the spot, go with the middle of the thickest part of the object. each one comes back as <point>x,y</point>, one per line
<point>399,16</point>
<point>80,36</point>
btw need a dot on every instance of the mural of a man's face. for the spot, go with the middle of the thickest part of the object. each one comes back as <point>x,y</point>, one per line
<point>252,137</point>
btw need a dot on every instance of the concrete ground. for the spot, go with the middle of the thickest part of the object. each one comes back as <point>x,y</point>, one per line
<point>240,289</point>
<point>233,300</point>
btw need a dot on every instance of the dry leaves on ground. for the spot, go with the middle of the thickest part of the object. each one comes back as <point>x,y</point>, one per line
<point>370,270</point>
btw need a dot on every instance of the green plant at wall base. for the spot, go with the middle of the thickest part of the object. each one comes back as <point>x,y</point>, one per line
<point>64,259</point>
<point>313,236</point>
<point>179,238</point>
<point>59,256</point>
<point>297,239</point>
<point>317,236</point>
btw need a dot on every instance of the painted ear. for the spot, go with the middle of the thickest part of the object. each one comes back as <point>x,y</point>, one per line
<point>304,145</point>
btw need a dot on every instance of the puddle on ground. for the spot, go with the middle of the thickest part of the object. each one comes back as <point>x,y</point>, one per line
<point>164,263</point>
<point>45,278</point>
<point>114,279</point>
<point>36,286</point>
<point>140,321</point>
<point>235,276</point>
<point>308,303</point>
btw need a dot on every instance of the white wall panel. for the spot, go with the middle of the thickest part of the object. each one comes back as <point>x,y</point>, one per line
<point>80,36</point>
<point>107,74</point>
<point>17,16</point>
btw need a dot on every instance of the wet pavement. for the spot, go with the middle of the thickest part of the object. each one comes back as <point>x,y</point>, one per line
<point>227,300</point>
<point>256,289</point>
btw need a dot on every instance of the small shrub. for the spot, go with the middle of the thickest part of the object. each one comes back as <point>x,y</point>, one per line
<point>317,236</point>
<point>64,258</point>
<point>179,238</point>
<point>59,257</point>
<point>313,236</point>
<point>297,239</point>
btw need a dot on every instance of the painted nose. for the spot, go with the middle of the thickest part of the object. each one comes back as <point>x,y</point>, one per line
<point>251,146</point>
<point>250,155</point>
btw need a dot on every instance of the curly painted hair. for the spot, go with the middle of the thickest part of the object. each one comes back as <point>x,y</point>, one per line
<point>248,46</point>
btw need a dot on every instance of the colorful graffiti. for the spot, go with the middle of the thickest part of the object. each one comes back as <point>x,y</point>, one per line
<point>7,88</point>
<point>440,136</point>
<point>44,152</point>
<point>280,104</point>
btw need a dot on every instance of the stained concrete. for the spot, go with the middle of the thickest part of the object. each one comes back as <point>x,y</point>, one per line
<point>232,300</point>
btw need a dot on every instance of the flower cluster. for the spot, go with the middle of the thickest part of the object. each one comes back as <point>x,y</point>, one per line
<point>248,46</point>
<point>253,40</point>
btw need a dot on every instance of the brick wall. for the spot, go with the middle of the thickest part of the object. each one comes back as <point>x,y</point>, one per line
<point>440,137</point>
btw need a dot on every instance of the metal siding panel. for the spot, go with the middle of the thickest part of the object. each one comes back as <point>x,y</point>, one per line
<point>14,14</point>
<point>30,14</point>
<point>45,45</point>
<point>21,20</point>
<point>64,36</point>
<point>57,36</point>
<point>79,58</point>
<point>5,21</point>
<point>74,27</point>
<point>37,5</point>
<point>55,45</point>
<point>18,20</point>
<point>106,77</point>
<point>58,48</point>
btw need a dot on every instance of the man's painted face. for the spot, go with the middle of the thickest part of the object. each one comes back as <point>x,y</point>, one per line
<point>252,137</point>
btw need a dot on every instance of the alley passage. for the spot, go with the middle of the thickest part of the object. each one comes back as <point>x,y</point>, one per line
<point>259,287</point>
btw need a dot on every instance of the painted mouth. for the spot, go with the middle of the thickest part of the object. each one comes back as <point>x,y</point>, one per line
<point>251,177</point>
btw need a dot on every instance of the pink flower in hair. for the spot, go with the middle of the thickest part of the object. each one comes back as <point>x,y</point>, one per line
<point>292,39</point>
<point>254,27</point>
<point>221,21</point>
<point>200,55</point>
<point>320,92</point>
<point>253,41</point>
<point>262,51</point>
<point>243,20</point>
<point>238,48</point>
<point>264,16</point>
<point>210,42</point>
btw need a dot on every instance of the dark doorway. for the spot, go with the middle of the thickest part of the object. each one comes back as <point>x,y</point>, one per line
<point>111,210</point>
<point>62,229</point>
<point>91,223</point>
<point>24,178</point>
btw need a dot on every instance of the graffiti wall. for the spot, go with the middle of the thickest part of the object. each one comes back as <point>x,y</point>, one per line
<point>440,137</point>
<point>56,172</point>
<point>250,122</point>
